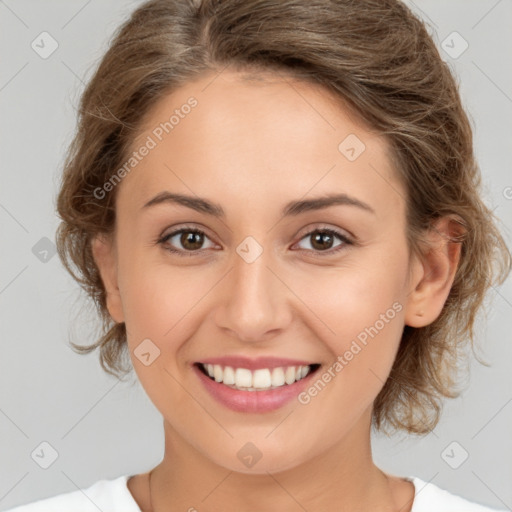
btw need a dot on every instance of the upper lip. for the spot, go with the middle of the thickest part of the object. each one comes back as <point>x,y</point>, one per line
<point>255,364</point>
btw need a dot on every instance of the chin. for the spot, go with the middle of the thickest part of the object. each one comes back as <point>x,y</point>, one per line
<point>250,460</point>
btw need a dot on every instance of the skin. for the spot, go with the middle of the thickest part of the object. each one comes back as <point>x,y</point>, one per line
<point>252,146</point>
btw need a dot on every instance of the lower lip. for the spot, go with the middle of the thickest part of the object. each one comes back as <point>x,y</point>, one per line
<point>252,401</point>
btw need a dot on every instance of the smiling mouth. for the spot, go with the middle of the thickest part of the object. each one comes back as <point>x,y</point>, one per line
<point>262,379</point>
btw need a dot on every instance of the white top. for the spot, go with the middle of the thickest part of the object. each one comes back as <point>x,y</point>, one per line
<point>114,496</point>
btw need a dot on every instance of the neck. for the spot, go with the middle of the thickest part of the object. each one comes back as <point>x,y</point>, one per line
<point>344,478</point>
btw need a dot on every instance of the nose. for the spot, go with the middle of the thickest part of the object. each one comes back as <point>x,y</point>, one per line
<point>256,303</point>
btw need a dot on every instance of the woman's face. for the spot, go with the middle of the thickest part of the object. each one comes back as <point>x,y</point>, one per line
<point>277,275</point>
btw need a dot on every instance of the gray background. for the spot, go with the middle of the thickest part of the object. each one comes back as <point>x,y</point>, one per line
<point>101,428</point>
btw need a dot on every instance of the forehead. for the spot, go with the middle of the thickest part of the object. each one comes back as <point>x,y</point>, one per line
<point>246,137</point>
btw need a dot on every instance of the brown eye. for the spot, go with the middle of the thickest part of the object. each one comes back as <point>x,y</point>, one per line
<point>186,240</point>
<point>191,240</point>
<point>322,240</point>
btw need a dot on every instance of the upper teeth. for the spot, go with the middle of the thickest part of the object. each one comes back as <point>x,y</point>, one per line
<point>263,378</point>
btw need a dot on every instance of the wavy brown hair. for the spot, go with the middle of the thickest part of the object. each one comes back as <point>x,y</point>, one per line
<point>379,59</point>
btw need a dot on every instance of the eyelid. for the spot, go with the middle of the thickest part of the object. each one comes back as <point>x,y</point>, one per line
<point>192,226</point>
<point>327,227</point>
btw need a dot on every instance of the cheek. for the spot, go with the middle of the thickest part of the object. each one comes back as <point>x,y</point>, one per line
<point>160,301</point>
<point>363,306</point>
<point>350,299</point>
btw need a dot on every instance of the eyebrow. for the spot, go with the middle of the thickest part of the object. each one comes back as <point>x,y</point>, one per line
<point>292,208</point>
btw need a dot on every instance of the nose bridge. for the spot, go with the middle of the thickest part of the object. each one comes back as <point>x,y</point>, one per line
<point>256,301</point>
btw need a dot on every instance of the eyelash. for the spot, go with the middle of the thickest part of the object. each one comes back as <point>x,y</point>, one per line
<point>346,241</point>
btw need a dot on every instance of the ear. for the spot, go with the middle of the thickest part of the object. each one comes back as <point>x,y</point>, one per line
<point>105,256</point>
<point>433,272</point>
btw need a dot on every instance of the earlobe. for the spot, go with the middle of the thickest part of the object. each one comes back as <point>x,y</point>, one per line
<point>105,257</point>
<point>435,273</point>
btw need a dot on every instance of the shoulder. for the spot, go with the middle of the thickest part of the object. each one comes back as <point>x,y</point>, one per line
<point>106,495</point>
<point>429,498</point>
